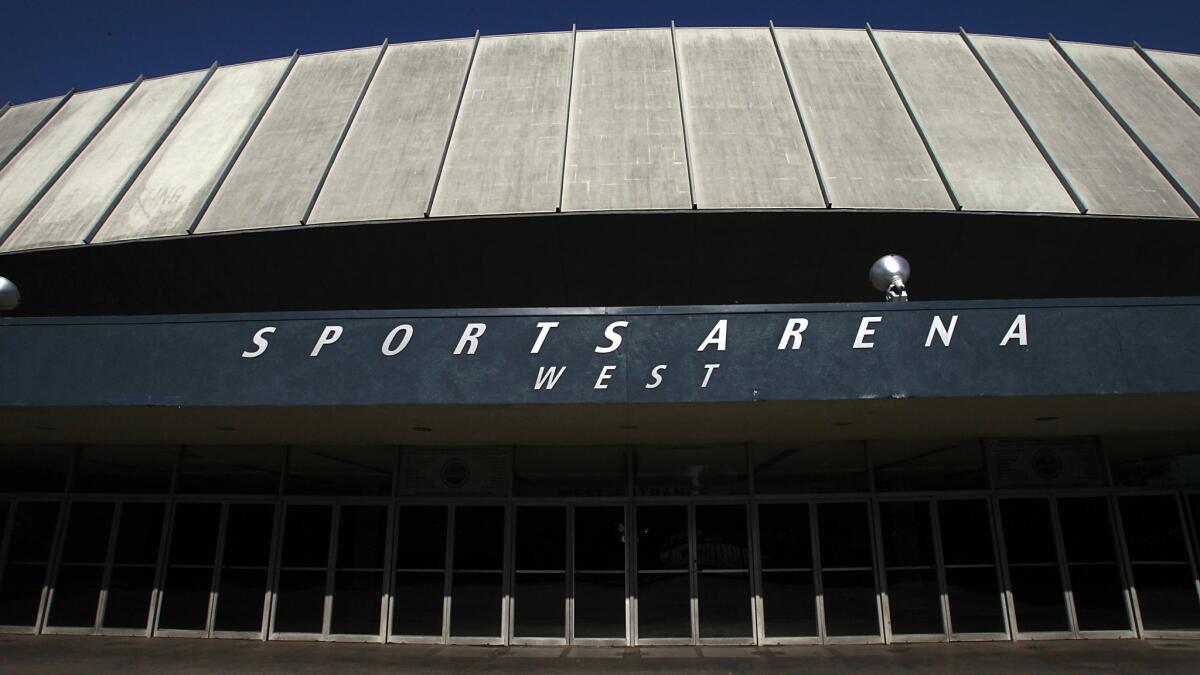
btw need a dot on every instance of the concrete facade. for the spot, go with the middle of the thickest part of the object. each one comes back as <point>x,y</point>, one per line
<point>989,159</point>
<point>78,200</point>
<point>611,120</point>
<point>273,179</point>
<point>1100,160</point>
<point>386,167</point>
<point>507,150</point>
<point>625,138</point>
<point>166,197</point>
<point>867,147</point>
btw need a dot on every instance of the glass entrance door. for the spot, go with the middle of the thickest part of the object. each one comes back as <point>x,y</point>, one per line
<point>1064,575</point>
<point>693,577</point>
<point>598,590</point>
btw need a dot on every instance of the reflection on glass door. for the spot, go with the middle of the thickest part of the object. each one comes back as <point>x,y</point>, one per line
<point>191,563</point>
<point>358,590</point>
<point>477,585</point>
<point>244,565</point>
<point>969,559</point>
<point>540,575</point>
<point>30,538</point>
<point>1164,580</point>
<point>1097,590</point>
<point>303,569</point>
<point>419,591</point>
<point>1038,597</point>
<point>599,573</point>
<point>75,594</point>
<point>789,594</point>
<point>106,576</point>
<point>847,566</point>
<point>663,584</point>
<point>722,566</point>
<point>910,569</point>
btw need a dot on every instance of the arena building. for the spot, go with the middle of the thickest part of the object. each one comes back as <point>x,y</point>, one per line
<point>567,338</point>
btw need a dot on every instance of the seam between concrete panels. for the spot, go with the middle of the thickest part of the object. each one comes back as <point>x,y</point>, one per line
<point>562,177</point>
<point>687,146</point>
<point>1058,172</point>
<point>912,116</point>
<point>7,230</point>
<point>791,85</point>
<point>162,138</point>
<point>437,177</point>
<point>337,148</point>
<point>245,140</point>
<point>5,107</point>
<point>36,128</point>
<point>1137,140</point>
<point>1166,78</point>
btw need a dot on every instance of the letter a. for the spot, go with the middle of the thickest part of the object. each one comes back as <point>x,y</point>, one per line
<point>1016,330</point>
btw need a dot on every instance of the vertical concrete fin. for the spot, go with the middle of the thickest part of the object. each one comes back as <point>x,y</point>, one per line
<point>687,148</point>
<point>62,168</point>
<point>812,151</point>
<point>1058,172</point>
<point>1167,78</point>
<point>162,138</point>
<point>562,179</point>
<point>887,65</point>
<point>212,193</point>
<point>1166,173</point>
<point>36,128</point>
<point>450,130</point>
<point>312,202</point>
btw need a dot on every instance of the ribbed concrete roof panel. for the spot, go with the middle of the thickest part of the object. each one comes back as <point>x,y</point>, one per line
<point>989,158</point>
<point>386,168</point>
<point>19,121</point>
<point>1168,127</point>
<point>1100,160</point>
<point>79,199</point>
<point>611,120</point>
<point>625,143</point>
<point>507,150</point>
<point>37,164</point>
<point>1183,69</point>
<point>866,145</point>
<point>166,197</point>
<point>747,145</point>
<point>276,174</point>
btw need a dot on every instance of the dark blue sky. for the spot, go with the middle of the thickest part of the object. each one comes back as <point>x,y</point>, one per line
<point>48,47</point>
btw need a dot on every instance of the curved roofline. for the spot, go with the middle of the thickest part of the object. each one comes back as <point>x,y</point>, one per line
<point>744,118</point>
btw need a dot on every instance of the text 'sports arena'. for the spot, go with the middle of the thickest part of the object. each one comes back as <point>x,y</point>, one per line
<point>566,338</point>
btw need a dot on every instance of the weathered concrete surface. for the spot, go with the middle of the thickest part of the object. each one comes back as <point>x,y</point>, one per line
<point>19,120</point>
<point>167,195</point>
<point>274,178</point>
<point>625,142</point>
<point>1164,122</point>
<point>747,145</point>
<point>507,150</point>
<point>989,159</point>
<point>37,162</point>
<point>133,656</point>
<point>77,201</point>
<point>1183,69</point>
<point>869,151</point>
<point>1103,164</point>
<point>386,167</point>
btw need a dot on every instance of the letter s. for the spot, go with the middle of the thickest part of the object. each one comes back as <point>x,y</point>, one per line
<point>260,342</point>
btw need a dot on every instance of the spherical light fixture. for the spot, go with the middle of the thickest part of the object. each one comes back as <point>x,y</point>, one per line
<point>10,297</point>
<point>889,275</point>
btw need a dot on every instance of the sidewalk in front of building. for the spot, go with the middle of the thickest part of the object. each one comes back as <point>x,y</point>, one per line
<point>133,656</point>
